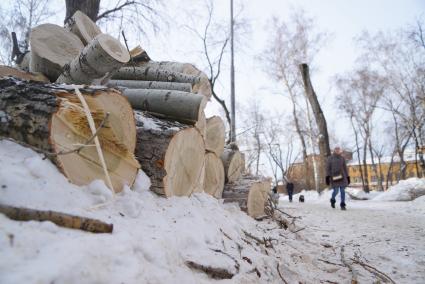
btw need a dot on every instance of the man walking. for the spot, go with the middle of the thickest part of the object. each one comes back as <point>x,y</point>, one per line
<point>290,190</point>
<point>337,176</point>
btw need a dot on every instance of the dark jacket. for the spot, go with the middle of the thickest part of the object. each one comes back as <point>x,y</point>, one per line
<point>336,165</point>
<point>290,187</point>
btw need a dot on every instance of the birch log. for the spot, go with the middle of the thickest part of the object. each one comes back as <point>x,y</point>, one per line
<point>83,27</point>
<point>104,54</point>
<point>250,193</point>
<point>215,135</point>
<point>134,84</point>
<point>201,124</point>
<point>51,120</point>
<point>6,71</point>
<point>233,164</point>
<point>52,47</point>
<point>174,105</point>
<point>202,86</point>
<point>147,73</point>
<point>171,154</point>
<point>214,175</point>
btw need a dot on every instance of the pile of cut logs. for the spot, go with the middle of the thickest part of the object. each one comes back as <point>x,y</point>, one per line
<point>101,111</point>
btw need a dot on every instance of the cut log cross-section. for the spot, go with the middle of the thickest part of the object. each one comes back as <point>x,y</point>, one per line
<point>215,130</point>
<point>104,54</point>
<point>214,175</point>
<point>52,47</point>
<point>83,27</point>
<point>233,164</point>
<point>250,193</point>
<point>171,154</point>
<point>174,105</point>
<point>51,119</point>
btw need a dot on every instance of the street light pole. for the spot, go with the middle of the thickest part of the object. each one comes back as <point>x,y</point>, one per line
<point>232,80</point>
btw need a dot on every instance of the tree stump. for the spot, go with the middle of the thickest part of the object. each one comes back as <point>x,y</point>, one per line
<point>214,175</point>
<point>171,154</point>
<point>215,135</point>
<point>250,192</point>
<point>104,54</point>
<point>52,47</point>
<point>83,27</point>
<point>51,120</point>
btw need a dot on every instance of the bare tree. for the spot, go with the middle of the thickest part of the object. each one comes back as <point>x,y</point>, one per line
<point>291,43</point>
<point>20,18</point>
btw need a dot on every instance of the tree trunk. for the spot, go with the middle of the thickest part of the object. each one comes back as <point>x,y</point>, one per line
<point>233,164</point>
<point>214,175</point>
<point>51,120</point>
<point>324,148</point>
<point>154,74</point>
<point>52,47</point>
<point>366,174</point>
<point>133,84</point>
<point>216,135</point>
<point>104,54</point>
<point>83,27</point>
<point>202,86</point>
<point>60,219</point>
<point>251,193</point>
<point>88,7</point>
<point>171,154</point>
<point>356,136</point>
<point>174,105</point>
<point>13,72</point>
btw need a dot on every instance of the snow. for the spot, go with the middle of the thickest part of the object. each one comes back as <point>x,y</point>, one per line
<point>153,237</point>
<point>405,190</point>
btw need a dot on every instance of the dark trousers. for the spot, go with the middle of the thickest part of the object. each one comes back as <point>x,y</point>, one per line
<point>290,193</point>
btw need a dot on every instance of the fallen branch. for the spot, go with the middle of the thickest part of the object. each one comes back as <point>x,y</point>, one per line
<point>349,266</point>
<point>328,262</point>
<point>381,275</point>
<point>213,272</point>
<point>60,219</point>
<point>237,265</point>
<point>280,274</point>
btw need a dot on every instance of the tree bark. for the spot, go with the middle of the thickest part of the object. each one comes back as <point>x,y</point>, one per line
<point>83,27</point>
<point>104,54</point>
<point>146,73</point>
<point>174,105</point>
<point>251,193</point>
<point>134,84</point>
<point>13,72</point>
<point>88,7</point>
<point>52,47</point>
<point>60,219</point>
<point>171,154</point>
<point>50,120</point>
<point>214,175</point>
<point>324,148</point>
<point>233,164</point>
<point>216,135</point>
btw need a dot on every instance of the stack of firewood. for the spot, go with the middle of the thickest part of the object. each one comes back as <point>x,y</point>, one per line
<point>136,113</point>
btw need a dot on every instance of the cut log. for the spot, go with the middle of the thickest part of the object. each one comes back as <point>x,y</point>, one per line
<point>250,193</point>
<point>174,105</point>
<point>104,54</point>
<point>52,47</point>
<point>202,87</point>
<point>214,175</point>
<point>134,84</point>
<point>201,124</point>
<point>171,154</point>
<point>233,164</point>
<point>83,27</point>
<point>60,219</point>
<point>139,55</point>
<point>51,120</point>
<point>24,65</point>
<point>216,134</point>
<point>147,73</point>
<point>6,71</point>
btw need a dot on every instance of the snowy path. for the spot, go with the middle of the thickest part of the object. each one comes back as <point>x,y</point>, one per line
<point>388,235</point>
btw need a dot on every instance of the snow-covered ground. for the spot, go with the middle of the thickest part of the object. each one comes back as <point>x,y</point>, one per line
<point>154,237</point>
